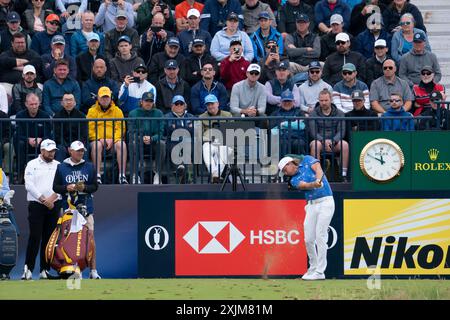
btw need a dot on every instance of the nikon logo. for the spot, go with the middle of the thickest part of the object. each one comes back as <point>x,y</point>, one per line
<point>433,166</point>
<point>433,153</point>
<point>429,256</point>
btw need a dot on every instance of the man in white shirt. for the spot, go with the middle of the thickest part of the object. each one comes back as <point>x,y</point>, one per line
<point>43,206</point>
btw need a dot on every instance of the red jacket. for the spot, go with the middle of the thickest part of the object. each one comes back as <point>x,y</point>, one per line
<point>423,97</point>
<point>232,72</point>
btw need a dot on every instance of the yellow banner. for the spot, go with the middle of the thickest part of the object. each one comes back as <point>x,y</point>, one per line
<point>397,236</point>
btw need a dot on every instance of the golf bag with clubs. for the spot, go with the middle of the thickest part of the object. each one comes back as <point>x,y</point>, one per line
<point>8,237</point>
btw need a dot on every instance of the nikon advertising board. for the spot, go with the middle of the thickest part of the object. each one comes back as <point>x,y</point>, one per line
<point>397,236</point>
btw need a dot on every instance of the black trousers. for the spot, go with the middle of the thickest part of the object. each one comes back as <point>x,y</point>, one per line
<point>42,222</point>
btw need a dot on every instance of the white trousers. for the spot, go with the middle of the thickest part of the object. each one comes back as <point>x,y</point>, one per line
<point>318,217</point>
<point>215,157</point>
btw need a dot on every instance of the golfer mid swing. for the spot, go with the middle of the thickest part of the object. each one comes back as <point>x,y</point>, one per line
<point>307,175</point>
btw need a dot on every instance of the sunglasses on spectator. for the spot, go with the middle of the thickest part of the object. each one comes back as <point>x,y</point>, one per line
<point>314,71</point>
<point>405,23</point>
<point>254,73</point>
<point>271,47</point>
<point>207,69</point>
<point>141,71</point>
<point>340,43</point>
<point>426,73</point>
<point>179,103</point>
<point>39,0</point>
<point>388,68</point>
<point>395,100</point>
<point>346,73</point>
<point>54,23</point>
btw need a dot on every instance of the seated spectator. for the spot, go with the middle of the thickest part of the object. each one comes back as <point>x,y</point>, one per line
<point>57,86</point>
<point>422,91</point>
<point>365,41</point>
<point>397,110</point>
<point>328,40</point>
<point>402,39</point>
<point>362,12</point>
<point>265,33</point>
<point>251,11</point>
<point>121,29</point>
<point>154,40</point>
<point>222,40</point>
<point>196,60</point>
<point>28,134</point>
<point>85,60</point>
<point>291,132</point>
<point>13,26</point>
<point>171,52</point>
<point>192,32</point>
<point>216,12</point>
<point>41,41</point>
<point>248,97</point>
<point>107,136</point>
<point>396,9</point>
<point>310,89</point>
<point>145,137</point>
<point>439,112</point>
<point>328,135</point>
<point>125,60</point>
<point>63,5</point>
<point>215,155</point>
<point>382,88</point>
<point>179,119</point>
<point>232,68</point>
<point>282,83</point>
<point>34,17</point>
<point>108,11</point>
<point>57,53</point>
<point>23,88</point>
<point>206,86</point>
<point>359,110</point>
<point>171,85</point>
<point>182,11</point>
<point>288,14</point>
<point>150,8</point>
<point>99,78</point>
<point>270,64</point>
<point>68,131</point>
<point>133,88</point>
<point>324,9</point>
<point>13,61</point>
<point>302,46</point>
<point>79,40</point>
<point>342,91</point>
<point>374,65</point>
<point>412,63</point>
<point>333,65</point>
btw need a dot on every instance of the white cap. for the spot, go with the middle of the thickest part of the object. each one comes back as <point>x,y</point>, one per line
<point>342,37</point>
<point>48,145</point>
<point>29,68</point>
<point>380,43</point>
<point>336,18</point>
<point>193,12</point>
<point>77,145</point>
<point>254,67</point>
<point>283,162</point>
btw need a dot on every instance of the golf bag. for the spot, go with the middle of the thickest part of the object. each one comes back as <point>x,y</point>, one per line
<point>8,238</point>
<point>71,246</point>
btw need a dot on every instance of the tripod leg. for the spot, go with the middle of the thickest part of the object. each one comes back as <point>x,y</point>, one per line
<point>226,178</point>
<point>241,178</point>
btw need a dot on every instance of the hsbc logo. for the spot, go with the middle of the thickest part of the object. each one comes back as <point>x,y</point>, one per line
<point>214,237</point>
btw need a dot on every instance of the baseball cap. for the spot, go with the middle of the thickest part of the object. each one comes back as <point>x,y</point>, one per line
<point>283,65</point>
<point>193,12</point>
<point>336,18</point>
<point>380,43</point>
<point>77,145</point>
<point>173,42</point>
<point>436,96</point>
<point>121,13</point>
<point>124,38</point>
<point>263,15</point>
<point>13,17</point>
<point>342,37</point>
<point>93,37</point>
<point>349,67</point>
<point>52,17</point>
<point>314,65</point>
<point>58,39</point>
<point>287,96</point>
<point>284,161</point>
<point>302,17</point>
<point>235,41</point>
<point>198,41</point>
<point>419,37</point>
<point>148,96</point>
<point>357,95</point>
<point>104,91</point>
<point>140,67</point>
<point>427,68</point>
<point>48,145</point>
<point>177,98</point>
<point>210,98</point>
<point>254,67</point>
<point>29,68</point>
<point>171,64</point>
<point>233,16</point>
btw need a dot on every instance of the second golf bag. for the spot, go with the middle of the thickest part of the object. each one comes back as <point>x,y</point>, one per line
<point>8,238</point>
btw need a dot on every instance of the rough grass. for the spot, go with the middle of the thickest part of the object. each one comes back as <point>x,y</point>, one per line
<point>225,289</point>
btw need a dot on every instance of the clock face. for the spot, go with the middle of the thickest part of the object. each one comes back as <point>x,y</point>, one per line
<point>382,160</point>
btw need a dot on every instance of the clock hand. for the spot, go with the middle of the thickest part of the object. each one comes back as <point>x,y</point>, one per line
<point>381,160</point>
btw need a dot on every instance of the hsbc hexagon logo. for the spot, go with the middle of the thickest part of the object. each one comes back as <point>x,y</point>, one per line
<point>209,237</point>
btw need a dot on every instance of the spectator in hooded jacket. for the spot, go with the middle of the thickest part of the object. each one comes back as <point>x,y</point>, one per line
<point>216,12</point>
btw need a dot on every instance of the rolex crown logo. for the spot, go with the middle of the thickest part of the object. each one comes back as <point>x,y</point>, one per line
<point>433,153</point>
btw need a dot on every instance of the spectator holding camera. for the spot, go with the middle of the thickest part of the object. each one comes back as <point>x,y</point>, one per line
<point>233,68</point>
<point>148,9</point>
<point>216,12</point>
<point>271,62</point>
<point>266,32</point>
<point>125,60</point>
<point>193,32</point>
<point>106,17</point>
<point>121,29</point>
